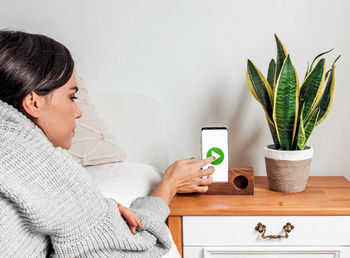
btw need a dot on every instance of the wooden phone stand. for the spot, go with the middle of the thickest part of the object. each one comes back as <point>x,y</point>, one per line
<point>240,181</point>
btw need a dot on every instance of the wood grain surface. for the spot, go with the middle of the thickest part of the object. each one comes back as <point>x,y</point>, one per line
<point>240,182</point>
<point>324,195</point>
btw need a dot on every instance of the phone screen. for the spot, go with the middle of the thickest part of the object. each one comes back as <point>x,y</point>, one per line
<point>215,143</point>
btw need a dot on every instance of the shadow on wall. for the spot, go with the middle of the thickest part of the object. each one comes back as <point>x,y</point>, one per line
<point>245,132</point>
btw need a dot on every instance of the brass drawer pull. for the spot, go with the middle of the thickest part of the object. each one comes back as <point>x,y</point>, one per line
<point>262,229</point>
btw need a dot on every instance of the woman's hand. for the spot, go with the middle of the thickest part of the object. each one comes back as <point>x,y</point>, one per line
<point>131,219</point>
<point>185,176</point>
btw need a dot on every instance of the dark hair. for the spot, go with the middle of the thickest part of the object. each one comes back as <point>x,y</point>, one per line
<point>31,62</point>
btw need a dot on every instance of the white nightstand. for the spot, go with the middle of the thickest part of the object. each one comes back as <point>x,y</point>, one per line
<point>223,226</point>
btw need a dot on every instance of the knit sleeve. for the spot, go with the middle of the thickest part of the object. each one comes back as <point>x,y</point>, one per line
<point>153,211</point>
<point>145,208</point>
<point>111,236</point>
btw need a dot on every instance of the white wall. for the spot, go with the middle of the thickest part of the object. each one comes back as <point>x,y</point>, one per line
<point>191,56</point>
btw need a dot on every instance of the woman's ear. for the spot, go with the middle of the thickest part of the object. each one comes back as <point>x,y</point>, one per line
<point>33,104</point>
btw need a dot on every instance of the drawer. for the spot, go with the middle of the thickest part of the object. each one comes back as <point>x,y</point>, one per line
<point>268,252</point>
<point>240,230</point>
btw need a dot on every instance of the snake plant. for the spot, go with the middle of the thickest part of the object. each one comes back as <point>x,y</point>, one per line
<point>292,111</point>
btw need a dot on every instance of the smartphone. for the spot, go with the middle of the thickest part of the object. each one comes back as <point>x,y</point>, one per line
<point>214,142</point>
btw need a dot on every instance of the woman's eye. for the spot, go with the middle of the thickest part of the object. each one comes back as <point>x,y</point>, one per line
<point>73,98</point>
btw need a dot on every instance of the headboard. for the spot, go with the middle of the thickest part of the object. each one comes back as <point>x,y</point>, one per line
<point>137,122</point>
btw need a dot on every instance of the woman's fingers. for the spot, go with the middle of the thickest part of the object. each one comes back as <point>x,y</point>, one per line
<point>203,162</point>
<point>206,172</point>
<point>201,189</point>
<point>131,219</point>
<point>187,176</point>
<point>206,181</point>
<point>132,229</point>
<point>132,225</point>
<point>188,160</point>
<point>134,222</point>
<point>138,223</point>
<point>195,185</point>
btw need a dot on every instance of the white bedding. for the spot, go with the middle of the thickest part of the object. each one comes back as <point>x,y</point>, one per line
<point>124,182</point>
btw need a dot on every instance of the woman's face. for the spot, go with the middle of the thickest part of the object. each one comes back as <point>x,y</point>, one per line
<point>57,116</point>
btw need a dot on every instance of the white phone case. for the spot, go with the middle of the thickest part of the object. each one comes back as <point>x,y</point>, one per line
<point>214,142</point>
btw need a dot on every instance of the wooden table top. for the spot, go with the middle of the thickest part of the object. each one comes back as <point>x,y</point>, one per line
<point>324,195</point>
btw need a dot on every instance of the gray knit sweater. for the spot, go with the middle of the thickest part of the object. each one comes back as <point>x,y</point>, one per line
<point>49,205</point>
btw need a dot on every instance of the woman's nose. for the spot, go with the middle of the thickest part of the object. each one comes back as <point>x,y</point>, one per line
<point>78,113</point>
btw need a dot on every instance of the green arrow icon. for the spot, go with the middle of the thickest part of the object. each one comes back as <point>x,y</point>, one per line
<point>217,153</point>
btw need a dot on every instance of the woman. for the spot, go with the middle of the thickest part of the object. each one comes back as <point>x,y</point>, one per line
<point>48,203</point>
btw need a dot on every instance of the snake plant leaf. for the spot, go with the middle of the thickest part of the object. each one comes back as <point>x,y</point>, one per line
<point>274,134</point>
<point>307,70</point>
<point>327,73</point>
<point>301,139</point>
<point>271,74</point>
<point>311,88</point>
<point>306,127</point>
<point>318,56</point>
<point>333,66</point>
<point>285,108</point>
<point>311,123</point>
<point>281,55</point>
<point>260,88</point>
<point>326,100</point>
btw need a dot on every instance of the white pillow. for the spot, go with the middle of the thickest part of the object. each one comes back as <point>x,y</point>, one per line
<point>92,144</point>
<point>124,181</point>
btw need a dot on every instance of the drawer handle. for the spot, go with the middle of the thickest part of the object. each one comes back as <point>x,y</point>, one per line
<point>262,229</point>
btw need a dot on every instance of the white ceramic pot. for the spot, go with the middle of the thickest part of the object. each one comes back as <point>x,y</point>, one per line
<point>287,171</point>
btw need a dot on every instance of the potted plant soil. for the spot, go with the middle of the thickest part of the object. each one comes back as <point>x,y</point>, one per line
<point>292,112</point>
